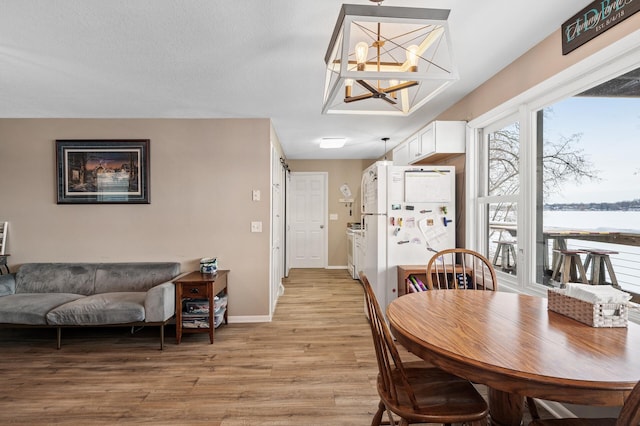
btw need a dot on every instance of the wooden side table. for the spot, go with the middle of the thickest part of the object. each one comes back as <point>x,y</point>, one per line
<point>199,289</point>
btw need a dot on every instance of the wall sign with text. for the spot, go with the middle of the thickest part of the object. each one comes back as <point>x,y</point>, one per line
<point>595,19</point>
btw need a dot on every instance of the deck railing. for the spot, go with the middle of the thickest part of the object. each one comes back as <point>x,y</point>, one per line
<point>626,263</point>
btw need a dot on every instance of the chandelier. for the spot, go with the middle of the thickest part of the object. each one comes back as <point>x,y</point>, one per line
<point>387,60</point>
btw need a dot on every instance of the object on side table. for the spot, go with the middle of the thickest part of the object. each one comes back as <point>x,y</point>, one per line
<point>208,265</point>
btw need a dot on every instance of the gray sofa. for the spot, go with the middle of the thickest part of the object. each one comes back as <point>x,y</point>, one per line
<point>63,295</point>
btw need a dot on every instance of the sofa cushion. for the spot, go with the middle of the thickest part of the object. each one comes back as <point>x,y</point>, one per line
<point>76,278</point>
<point>141,276</point>
<point>100,309</point>
<point>31,308</point>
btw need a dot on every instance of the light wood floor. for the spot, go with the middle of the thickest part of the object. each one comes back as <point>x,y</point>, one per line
<point>313,365</point>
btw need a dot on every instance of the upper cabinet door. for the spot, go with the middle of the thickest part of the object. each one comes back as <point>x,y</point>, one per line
<point>440,140</point>
<point>414,149</point>
<point>427,140</point>
<point>435,142</point>
<point>401,155</point>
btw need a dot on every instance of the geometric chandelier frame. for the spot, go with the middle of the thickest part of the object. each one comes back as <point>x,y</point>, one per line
<point>387,60</point>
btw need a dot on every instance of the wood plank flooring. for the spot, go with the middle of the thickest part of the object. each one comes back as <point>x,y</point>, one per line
<point>313,365</point>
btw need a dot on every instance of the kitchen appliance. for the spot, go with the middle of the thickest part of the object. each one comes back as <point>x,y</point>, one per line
<point>408,214</point>
<point>354,241</point>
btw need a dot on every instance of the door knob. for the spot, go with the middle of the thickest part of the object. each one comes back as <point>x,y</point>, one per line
<point>321,226</point>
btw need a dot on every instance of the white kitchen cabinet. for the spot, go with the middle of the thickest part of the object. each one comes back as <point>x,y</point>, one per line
<point>440,139</point>
<point>434,142</point>
<point>401,155</point>
<point>414,148</point>
<point>427,140</point>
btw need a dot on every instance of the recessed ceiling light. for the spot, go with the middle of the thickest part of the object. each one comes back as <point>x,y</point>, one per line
<point>330,143</point>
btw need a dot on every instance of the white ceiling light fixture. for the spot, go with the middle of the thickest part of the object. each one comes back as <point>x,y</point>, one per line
<point>387,60</point>
<point>332,143</point>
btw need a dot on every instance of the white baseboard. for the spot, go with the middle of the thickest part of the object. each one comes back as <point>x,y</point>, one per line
<point>337,267</point>
<point>238,319</point>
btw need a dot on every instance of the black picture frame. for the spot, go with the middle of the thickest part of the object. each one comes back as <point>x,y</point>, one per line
<point>103,171</point>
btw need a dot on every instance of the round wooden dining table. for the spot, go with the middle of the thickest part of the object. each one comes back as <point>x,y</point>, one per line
<point>514,345</point>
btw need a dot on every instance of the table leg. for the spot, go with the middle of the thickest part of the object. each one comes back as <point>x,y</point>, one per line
<point>505,409</point>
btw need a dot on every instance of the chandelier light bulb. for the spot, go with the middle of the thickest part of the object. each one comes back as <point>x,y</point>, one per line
<point>412,57</point>
<point>362,49</point>
<point>348,84</point>
<point>393,83</point>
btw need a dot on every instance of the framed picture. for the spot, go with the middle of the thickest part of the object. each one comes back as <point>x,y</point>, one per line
<point>103,171</point>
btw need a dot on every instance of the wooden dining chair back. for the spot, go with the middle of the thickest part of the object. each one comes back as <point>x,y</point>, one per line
<point>460,268</point>
<point>629,415</point>
<point>417,392</point>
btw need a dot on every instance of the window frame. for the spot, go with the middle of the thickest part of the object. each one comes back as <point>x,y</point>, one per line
<point>483,200</point>
<point>619,58</point>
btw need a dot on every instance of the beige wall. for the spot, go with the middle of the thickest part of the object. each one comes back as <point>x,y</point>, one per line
<point>537,65</point>
<point>202,175</point>
<point>339,172</point>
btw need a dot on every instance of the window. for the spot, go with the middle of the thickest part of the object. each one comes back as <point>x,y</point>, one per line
<point>589,177</point>
<point>552,156</point>
<point>499,191</point>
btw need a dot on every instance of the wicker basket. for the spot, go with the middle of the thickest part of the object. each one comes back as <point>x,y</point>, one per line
<point>593,314</point>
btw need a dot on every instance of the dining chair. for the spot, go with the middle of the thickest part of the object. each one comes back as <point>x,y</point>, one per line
<point>629,415</point>
<point>415,391</point>
<point>460,268</point>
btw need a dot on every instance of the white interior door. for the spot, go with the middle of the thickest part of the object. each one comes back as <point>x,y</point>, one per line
<point>308,228</point>
<point>277,228</point>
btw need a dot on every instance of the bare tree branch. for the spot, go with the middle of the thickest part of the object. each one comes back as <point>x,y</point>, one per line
<point>562,161</point>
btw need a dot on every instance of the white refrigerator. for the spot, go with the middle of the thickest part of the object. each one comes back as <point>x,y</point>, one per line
<point>408,214</point>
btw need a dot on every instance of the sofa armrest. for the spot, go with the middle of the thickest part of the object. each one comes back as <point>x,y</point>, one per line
<point>160,303</point>
<point>7,284</point>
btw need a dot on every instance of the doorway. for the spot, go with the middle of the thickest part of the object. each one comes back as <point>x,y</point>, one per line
<point>307,220</point>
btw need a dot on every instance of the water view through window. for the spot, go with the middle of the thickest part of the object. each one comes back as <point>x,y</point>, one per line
<point>589,189</point>
<point>503,186</point>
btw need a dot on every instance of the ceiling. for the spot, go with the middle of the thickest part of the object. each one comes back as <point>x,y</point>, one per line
<point>234,58</point>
